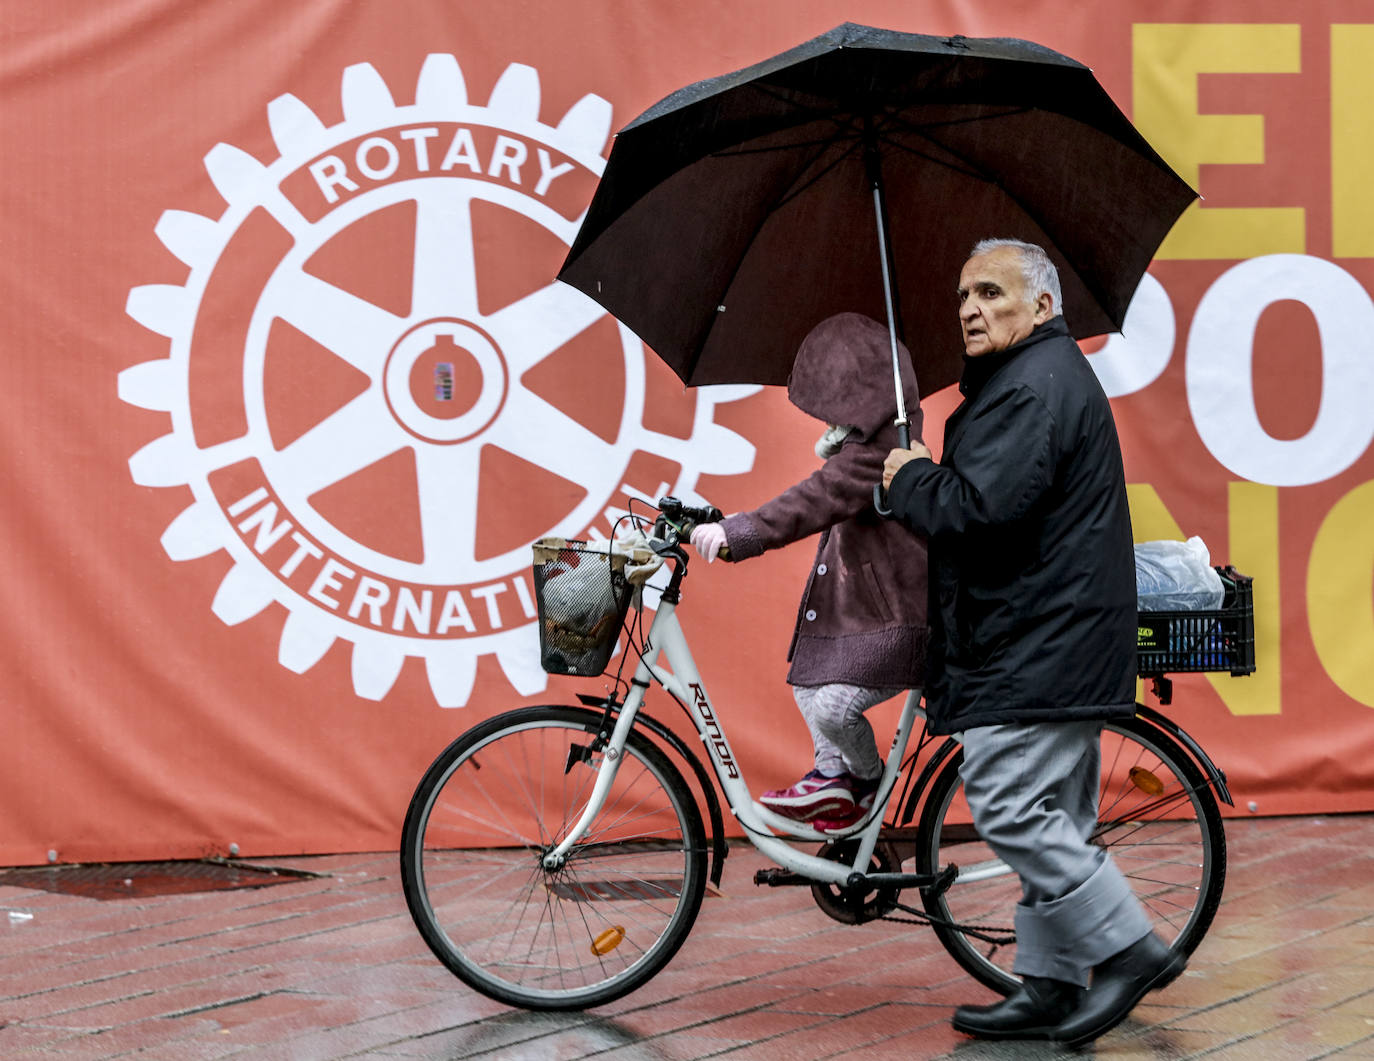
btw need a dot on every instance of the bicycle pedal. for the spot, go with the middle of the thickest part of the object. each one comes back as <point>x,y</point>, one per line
<point>778,878</point>
<point>942,881</point>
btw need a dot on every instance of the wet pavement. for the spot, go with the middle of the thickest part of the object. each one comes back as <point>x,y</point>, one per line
<point>332,967</point>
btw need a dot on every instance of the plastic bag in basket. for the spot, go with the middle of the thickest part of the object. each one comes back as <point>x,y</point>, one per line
<point>583,595</point>
<point>1176,576</point>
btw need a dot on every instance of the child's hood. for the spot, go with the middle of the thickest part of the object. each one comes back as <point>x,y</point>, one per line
<point>843,375</point>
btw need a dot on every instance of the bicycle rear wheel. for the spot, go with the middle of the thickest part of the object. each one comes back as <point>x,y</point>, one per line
<point>594,929</point>
<point>1158,817</point>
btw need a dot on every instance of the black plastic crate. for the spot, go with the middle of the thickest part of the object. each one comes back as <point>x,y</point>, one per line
<point>1191,641</point>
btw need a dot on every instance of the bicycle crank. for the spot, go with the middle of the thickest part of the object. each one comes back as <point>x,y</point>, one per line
<point>865,896</point>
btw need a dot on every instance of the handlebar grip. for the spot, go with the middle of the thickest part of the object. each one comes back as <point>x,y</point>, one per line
<point>676,511</point>
<point>703,513</point>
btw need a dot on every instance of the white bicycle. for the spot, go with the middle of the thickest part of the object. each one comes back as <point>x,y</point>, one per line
<point>555,857</point>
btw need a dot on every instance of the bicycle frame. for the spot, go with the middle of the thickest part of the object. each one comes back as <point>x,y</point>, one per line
<point>682,680</point>
<point>770,833</point>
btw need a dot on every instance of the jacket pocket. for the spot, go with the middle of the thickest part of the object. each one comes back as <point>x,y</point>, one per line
<point>876,595</point>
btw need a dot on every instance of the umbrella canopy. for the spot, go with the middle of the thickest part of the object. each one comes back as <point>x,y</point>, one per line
<point>739,212</point>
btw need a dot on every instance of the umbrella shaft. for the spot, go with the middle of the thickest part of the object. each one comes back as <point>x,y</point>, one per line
<point>879,211</point>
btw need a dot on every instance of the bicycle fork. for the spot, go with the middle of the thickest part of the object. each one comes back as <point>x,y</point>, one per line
<point>605,777</point>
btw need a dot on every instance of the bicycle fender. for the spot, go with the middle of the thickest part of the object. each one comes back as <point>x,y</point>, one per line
<point>1173,729</point>
<point>936,761</point>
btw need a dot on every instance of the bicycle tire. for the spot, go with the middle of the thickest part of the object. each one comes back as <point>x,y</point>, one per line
<point>478,825</point>
<point>1162,827</point>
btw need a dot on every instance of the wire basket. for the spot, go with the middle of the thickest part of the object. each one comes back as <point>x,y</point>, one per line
<point>1189,641</point>
<point>583,595</point>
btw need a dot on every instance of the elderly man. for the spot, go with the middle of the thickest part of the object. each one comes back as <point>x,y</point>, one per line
<point>1033,640</point>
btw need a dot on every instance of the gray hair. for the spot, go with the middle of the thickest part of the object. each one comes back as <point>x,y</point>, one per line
<point>1039,273</point>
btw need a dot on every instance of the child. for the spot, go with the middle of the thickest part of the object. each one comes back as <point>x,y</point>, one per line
<point>861,632</point>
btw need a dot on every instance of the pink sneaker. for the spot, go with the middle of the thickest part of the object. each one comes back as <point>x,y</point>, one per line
<point>814,796</point>
<point>864,791</point>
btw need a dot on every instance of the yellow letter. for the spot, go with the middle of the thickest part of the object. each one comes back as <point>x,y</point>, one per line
<point>1352,152</point>
<point>1339,575</point>
<point>1253,520</point>
<point>1167,59</point>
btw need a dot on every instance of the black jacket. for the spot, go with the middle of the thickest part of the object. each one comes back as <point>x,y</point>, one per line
<point>1032,572</point>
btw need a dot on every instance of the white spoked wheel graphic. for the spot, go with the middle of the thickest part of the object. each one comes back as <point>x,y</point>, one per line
<point>388,421</point>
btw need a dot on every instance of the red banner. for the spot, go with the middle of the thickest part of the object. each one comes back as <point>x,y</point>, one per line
<point>262,565</point>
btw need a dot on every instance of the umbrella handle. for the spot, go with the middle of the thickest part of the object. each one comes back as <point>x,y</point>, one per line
<point>879,494</point>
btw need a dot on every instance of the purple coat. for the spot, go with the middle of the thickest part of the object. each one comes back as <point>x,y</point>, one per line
<point>862,618</point>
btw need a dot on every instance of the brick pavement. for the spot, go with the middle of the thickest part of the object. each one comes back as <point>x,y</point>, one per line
<point>333,968</point>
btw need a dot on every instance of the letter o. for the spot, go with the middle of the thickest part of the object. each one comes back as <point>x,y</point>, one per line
<point>1131,361</point>
<point>365,149</point>
<point>1220,360</point>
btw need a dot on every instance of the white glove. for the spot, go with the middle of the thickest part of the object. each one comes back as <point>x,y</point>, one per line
<point>708,539</point>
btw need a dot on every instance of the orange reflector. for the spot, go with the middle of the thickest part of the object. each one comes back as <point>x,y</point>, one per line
<point>608,940</point>
<point>1146,781</point>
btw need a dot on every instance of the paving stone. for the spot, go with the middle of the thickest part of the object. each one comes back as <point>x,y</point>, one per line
<point>332,968</point>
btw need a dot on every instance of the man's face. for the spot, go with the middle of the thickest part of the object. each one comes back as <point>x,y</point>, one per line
<point>993,310</point>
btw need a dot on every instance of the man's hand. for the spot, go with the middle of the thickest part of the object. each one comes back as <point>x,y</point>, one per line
<point>898,457</point>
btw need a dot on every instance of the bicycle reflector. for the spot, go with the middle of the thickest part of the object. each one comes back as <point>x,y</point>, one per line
<point>608,941</point>
<point>1146,781</point>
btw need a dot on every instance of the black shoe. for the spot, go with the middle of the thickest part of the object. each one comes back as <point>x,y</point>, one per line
<point>1033,1011</point>
<point>1118,984</point>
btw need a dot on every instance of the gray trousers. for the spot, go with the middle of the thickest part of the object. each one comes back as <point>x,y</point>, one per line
<point>1033,791</point>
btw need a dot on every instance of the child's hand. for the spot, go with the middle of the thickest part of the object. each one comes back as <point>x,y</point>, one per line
<point>708,539</point>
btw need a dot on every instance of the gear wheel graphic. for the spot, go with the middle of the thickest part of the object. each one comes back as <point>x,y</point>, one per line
<point>360,407</point>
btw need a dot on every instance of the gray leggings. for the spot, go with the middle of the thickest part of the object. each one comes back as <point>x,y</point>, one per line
<point>843,738</point>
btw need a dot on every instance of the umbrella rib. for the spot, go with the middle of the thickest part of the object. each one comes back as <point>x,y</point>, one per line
<point>965,168</point>
<point>845,125</point>
<point>1010,112</point>
<point>797,189</point>
<point>818,142</point>
<point>1088,282</point>
<point>894,123</point>
<point>793,190</point>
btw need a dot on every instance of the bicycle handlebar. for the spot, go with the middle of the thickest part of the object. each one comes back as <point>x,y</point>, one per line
<point>678,513</point>
<point>677,520</point>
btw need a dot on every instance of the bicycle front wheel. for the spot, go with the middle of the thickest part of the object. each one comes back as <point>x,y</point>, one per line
<point>1157,817</point>
<point>483,817</point>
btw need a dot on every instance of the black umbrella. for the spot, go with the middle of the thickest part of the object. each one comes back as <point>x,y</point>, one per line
<point>855,172</point>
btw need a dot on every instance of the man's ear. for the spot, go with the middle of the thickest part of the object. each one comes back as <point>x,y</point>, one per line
<point>1044,307</point>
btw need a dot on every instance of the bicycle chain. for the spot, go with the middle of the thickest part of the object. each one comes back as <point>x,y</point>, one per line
<point>921,917</point>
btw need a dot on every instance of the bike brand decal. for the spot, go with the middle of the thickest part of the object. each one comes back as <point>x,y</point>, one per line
<point>364,387</point>
<point>713,732</point>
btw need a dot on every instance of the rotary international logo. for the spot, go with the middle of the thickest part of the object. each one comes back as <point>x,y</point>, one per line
<point>379,396</point>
